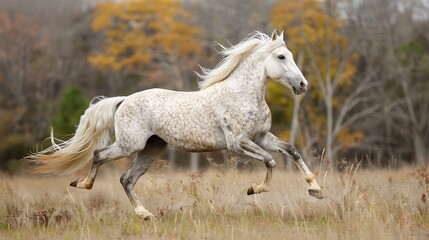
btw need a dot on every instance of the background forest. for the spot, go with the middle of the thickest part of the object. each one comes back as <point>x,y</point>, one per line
<point>367,62</point>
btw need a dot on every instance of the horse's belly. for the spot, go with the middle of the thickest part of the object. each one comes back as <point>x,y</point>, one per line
<point>192,132</point>
<point>192,140</point>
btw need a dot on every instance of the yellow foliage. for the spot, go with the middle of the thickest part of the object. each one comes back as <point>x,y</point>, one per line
<point>137,31</point>
<point>349,138</point>
<point>280,102</point>
<point>284,135</point>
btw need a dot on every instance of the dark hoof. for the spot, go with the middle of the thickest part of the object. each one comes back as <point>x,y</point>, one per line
<point>75,182</point>
<point>250,191</point>
<point>149,217</point>
<point>316,193</point>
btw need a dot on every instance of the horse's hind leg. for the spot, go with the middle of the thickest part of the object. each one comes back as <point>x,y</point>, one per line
<point>139,166</point>
<point>101,156</point>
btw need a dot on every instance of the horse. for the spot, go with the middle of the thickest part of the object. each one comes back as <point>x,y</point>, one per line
<point>228,112</point>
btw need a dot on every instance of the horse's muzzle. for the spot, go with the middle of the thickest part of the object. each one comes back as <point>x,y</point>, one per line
<point>298,91</point>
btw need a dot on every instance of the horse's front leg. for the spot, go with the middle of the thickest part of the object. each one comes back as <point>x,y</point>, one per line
<point>269,162</point>
<point>272,143</point>
<point>251,149</point>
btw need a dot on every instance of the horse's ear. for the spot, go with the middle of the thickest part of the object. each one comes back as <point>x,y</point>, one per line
<point>281,36</point>
<point>274,35</point>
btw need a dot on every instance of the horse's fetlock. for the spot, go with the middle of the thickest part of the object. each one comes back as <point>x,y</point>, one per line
<point>89,185</point>
<point>309,179</point>
<point>271,163</point>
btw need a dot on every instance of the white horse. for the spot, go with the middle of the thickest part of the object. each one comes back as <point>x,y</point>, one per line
<point>229,112</point>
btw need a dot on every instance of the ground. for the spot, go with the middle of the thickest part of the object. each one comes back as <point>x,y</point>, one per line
<point>362,204</point>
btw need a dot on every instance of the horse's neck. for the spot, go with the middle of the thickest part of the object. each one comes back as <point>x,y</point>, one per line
<point>249,76</point>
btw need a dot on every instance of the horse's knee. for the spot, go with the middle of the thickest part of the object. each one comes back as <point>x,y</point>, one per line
<point>292,151</point>
<point>125,181</point>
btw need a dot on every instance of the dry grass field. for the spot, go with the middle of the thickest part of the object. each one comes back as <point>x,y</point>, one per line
<point>362,204</point>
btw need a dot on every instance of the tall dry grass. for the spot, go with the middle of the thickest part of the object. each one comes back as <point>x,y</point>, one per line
<point>360,204</point>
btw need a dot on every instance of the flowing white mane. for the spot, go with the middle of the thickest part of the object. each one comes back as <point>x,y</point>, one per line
<point>232,57</point>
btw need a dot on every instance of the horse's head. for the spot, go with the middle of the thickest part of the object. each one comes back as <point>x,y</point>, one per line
<point>281,67</point>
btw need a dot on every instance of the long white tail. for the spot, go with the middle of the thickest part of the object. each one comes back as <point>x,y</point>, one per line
<point>92,133</point>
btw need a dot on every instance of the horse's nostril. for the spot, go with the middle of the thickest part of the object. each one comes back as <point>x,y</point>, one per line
<point>302,84</point>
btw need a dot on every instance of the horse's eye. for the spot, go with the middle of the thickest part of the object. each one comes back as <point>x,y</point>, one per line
<point>281,57</point>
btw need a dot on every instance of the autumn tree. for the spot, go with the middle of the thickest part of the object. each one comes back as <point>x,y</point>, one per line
<point>316,33</point>
<point>153,39</point>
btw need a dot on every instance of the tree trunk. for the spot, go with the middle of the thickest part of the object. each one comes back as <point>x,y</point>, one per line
<point>419,149</point>
<point>329,134</point>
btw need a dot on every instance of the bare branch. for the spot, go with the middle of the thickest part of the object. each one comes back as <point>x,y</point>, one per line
<point>361,114</point>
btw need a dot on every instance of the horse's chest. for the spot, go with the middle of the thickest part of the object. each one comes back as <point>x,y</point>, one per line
<point>261,125</point>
